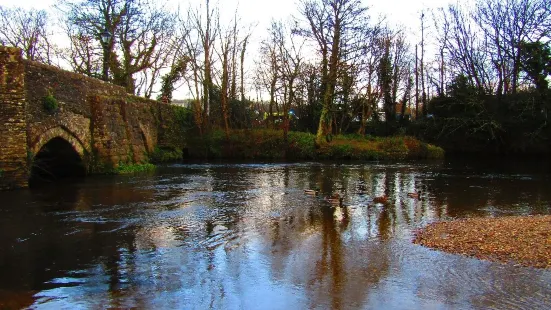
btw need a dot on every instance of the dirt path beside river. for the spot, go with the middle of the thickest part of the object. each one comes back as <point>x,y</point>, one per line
<point>524,240</point>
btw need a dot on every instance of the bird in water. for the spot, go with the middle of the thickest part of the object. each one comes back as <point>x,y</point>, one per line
<point>335,199</point>
<point>313,192</point>
<point>381,199</point>
<point>413,195</point>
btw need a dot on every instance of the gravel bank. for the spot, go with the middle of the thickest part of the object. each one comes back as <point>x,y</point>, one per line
<point>525,240</point>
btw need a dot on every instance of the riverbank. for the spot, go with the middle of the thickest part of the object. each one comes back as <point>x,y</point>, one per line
<point>524,240</point>
<point>270,145</point>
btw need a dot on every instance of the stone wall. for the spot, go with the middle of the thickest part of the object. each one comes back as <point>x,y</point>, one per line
<point>103,123</point>
<point>13,125</point>
<point>123,131</point>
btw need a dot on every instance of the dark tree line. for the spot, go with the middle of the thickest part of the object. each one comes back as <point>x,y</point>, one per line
<point>497,55</point>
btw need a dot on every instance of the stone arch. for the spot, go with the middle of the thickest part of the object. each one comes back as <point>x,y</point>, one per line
<point>63,133</point>
<point>57,155</point>
<point>147,138</point>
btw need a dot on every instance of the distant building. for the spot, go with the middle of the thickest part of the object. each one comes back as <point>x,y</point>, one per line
<point>186,103</point>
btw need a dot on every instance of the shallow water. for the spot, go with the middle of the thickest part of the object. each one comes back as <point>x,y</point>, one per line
<point>245,236</point>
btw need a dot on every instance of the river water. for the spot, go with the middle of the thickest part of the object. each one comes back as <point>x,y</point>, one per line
<point>246,236</point>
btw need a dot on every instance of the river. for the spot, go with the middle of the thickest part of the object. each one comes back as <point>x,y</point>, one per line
<point>246,236</point>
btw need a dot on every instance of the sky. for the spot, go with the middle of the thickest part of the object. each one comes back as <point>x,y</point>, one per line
<point>260,12</point>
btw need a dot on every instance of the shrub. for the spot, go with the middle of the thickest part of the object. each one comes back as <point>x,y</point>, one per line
<point>415,148</point>
<point>434,152</point>
<point>165,154</point>
<point>343,151</point>
<point>50,103</point>
<point>302,145</point>
<point>394,148</point>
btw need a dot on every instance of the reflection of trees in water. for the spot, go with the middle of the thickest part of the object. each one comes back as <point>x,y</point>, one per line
<point>226,224</point>
<point>54,232</point>
<point>324,247</point>
<point>337,254</point>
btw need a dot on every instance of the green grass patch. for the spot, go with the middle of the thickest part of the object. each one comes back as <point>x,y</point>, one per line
<point>134,168</point>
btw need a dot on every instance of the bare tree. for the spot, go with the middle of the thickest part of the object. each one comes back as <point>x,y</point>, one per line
<point>140,33</point>
<point>385,80</point>
<point>291,64</point>
<point>243,47</point>
<point>400,63</point>
<point>369,90</point>
<point>179,59</point>
<point>269,67</point>
<point>206,28</point>
<point>332,25</point>
<point>416,81</point>
<point>484,43</point>
<point>423,90</point>
<point>87,20</point>
<point>192,49</point>
<point>466,49</point>
<point>84,55</point>
<point>406,95</point>
<point>27,30</point>
<point>507,23</point>
<point>227,39</point>
<point>169,54</point>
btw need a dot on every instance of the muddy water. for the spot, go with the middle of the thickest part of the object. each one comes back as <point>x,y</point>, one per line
<point>245,236</point>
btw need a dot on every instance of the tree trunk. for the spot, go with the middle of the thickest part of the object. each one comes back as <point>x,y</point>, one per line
<point>224,92</point>
<point>242,87</point>
<point>270,119</point>
<point>325,123</point>
<point>416,85</point>
<point>207,83</point>
<point>197,113</point>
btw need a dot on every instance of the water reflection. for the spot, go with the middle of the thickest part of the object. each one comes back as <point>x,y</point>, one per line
<point>246,236</point>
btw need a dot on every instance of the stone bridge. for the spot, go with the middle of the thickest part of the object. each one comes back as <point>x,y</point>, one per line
<point>94,127</point>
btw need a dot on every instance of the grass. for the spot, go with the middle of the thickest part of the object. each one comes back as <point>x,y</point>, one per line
<point>134,168</point>
<point>269,144</point>
<point>379,148</point>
